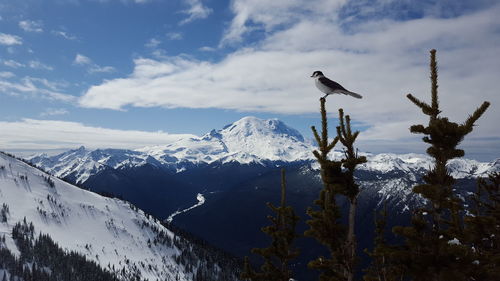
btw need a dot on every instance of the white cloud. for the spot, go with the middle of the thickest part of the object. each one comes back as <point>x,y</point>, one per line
<point>174,35</point>
<point>82,60</point>
<point>31,26</point>
<point>8,39</point>
<point>207,49</point>
<point>64,34</point>
<point>153,43</point>
<point>51,134</point>
<point>250,15</point>
<point>39,65</point>
<point>6,74</point>
<point>54,112</point>
<point>195,11</point>
<point>382,59</point>
<point>35,87</point>
<point>91,66</point>
<point>101,69</point>
<point>13,64</point>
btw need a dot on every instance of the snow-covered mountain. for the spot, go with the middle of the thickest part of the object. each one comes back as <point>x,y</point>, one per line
<point>248,140</point>
<point>111,232</point>
<point>193,165</point>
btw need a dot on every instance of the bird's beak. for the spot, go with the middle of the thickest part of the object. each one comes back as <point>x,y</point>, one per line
<point>312,76</point>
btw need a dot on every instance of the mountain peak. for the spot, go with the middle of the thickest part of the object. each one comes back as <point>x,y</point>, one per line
<point>269,139</point>
<point>253,126</point>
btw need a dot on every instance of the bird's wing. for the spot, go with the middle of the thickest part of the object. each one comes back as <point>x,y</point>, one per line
<point>332,84</point>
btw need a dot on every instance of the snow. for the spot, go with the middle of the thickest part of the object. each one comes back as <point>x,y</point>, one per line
<point>75,218</point>
<point>201,201</point>
<point>249,140</point>
<point>265,142</point>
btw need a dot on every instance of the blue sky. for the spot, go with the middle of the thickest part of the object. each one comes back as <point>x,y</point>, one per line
<point>130,73</point>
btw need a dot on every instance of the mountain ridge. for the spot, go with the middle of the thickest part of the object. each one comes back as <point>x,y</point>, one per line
<point>248,140</point>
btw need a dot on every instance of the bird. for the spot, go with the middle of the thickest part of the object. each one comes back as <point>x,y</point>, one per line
<point>329,87</point>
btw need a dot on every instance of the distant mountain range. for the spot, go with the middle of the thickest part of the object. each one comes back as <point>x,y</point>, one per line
<point>235,170</point>
<point>248,140</point>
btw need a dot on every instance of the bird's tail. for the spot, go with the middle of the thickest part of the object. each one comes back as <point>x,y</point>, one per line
<point>358,96</point>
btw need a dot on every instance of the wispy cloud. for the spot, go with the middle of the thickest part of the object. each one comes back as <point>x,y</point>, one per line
<point>35,64</point>
<point>9,39</point>
<point>381,58</point>
<point>31,26</point>
<point>54,112</point>
<point>52,134</point>
<point>64,34</point>
<point>91,66</point>
<point>101,69</point>
<point>207,49</point>
<point>174,36</point>
<point>6,74</point>
<point>153,43</point>
<point>195,11</point>
<point>35,88</point>
<point>13,64</point>
<point>251,15</point>
<point>123,1</point>
<point>82,60</point>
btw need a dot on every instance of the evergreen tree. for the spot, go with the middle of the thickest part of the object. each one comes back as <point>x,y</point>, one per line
<point>434,243</point>
<point>338,179</point>
<point>278,255</point>
<point>482,228</point>
<point>383,265</point>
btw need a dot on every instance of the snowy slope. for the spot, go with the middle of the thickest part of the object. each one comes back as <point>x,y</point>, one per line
<point>108,231</point>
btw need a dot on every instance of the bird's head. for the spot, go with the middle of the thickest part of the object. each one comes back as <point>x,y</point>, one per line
<point>317,73</point>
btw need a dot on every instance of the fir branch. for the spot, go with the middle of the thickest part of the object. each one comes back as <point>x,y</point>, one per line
<point>316,136</point>
<point>348,122</point>
<point>426,109</point>
<point>469,123</point>
<point>341,136</point>
<point>317,155</point>
<point>332,145</point>
<point>434,84</point>
<point>342,124</point>
<point>418,129</point>
<point>354,136</point>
